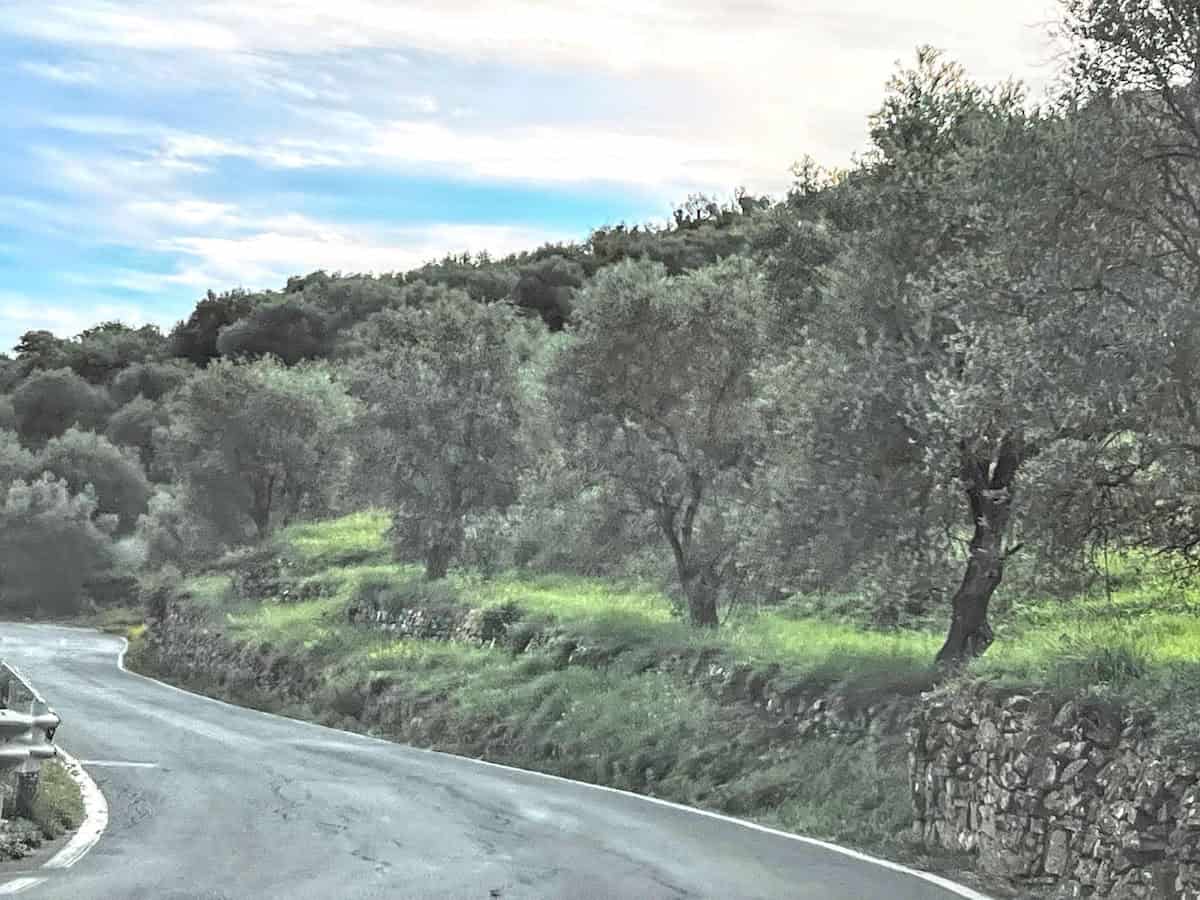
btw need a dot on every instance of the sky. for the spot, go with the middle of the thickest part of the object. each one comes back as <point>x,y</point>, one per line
<point>153,149</point>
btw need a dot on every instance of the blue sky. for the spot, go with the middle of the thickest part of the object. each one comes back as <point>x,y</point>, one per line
<point>152,149</point>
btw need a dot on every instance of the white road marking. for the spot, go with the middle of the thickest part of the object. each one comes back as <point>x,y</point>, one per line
<point>95,817</point>
<point>944,883</point>
<point>117,764</point>
<point>19,884</point>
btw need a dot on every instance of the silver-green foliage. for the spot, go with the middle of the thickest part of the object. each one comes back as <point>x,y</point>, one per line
<point>656,394</point>
<point>252,445</point>
<point>441,430</point>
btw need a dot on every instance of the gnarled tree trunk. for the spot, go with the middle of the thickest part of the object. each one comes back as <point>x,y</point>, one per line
<point>701,591</point>
<point>700,582</point>
<point>989,488</point>
<point>437,561</point>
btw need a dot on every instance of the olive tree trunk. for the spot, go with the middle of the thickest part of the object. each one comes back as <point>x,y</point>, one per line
<point>699,579</point>
<point>989,491</point>
<point>437,561</point>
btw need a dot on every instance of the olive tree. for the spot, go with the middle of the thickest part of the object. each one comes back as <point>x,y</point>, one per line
<point>959,346</point>
<point>655,392</point>
<point>253,444</point>
<point>1134,89</point>
<point>443,419</point>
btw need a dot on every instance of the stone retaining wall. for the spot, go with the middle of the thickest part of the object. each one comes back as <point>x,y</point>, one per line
<point>1065,794</point>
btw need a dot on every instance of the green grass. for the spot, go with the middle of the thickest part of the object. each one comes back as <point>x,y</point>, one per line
<point>1135,636</point>
<point>354,538</point>
<point>58,804</point>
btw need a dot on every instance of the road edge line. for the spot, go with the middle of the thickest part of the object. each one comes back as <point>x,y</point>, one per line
<point>953,887</point>
<point>95,817</point>
<point>17,885</point>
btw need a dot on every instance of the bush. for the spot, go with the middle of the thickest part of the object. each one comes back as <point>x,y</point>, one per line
<point>8,415</point>
<point>1114,665</point>
<point>15,461</point>
<point>382,591</point>
<point>48,403</point>
<point>50,547</point>
<point>156,590</point>
<point>58,803</point>
<point>152,381</point>
<point>112,588</point>
<point>172,533</point>
<point>81,458</point>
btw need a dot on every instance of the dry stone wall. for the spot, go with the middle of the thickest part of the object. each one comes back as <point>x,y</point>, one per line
<point>1064,794</point>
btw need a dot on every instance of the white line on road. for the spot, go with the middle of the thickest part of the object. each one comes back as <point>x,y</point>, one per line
<point>19,884</point>
<point>117,764</point>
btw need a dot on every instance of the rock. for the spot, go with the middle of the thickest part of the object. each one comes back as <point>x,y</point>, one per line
<point>1057,851</point>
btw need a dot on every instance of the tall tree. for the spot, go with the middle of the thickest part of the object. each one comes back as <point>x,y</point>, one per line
<point>1134,90</point>
<point>196,339</point>
<point>291,331</point>
<point>953,351</point>
<point>80,458</point>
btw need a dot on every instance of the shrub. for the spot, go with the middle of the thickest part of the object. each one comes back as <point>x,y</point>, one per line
<point>58,803</point>
<point>51,545</point>
<point>377,591</point>
<point>15,461</point>
<point>152,381</point>
<point>172,533</point>
<point>1115,665</point>
<point>48,403</point>
<point>81,458</point>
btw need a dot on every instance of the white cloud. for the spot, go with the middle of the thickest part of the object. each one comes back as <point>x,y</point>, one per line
<point>697,36</point>
<point>59,74</point>
<point>104,23</point>
<point>283,246</point>
<point>546,154</point>
<point>19,314</point>
<point>764,80</point>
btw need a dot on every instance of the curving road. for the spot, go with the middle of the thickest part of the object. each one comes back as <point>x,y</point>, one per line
<point>232,803</point>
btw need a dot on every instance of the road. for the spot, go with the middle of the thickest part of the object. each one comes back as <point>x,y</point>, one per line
<point>232,803</point>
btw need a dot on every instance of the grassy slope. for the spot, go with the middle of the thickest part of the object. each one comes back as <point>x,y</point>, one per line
<point>646,731</point>
<point>1139,642</point>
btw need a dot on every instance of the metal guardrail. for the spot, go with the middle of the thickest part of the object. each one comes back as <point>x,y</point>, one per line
<point>27,726</point>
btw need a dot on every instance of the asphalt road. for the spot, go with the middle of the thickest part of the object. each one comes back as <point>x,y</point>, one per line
<point>237,804</point>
